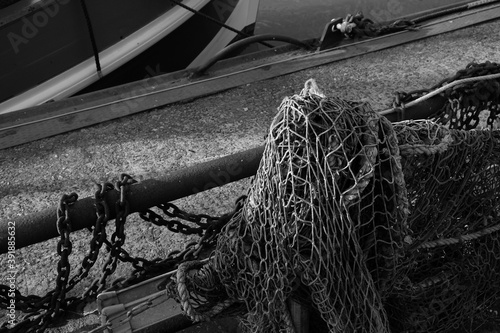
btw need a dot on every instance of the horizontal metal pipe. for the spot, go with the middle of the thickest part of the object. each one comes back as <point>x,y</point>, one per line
<point>422,110</point>
<point>41,226</point>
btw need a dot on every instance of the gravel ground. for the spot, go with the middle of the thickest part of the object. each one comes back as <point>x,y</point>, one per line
<point>35,175</point>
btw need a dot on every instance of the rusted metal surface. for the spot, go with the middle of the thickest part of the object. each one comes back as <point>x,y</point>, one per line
<point>41,226</point>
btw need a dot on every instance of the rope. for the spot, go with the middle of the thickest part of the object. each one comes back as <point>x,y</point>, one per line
<point>358,26</point>
<point>184,294</point>
<point>442,89</point>
<point>218,308</point>
<point>92,38</point>
<point>463,238</point>
<point>408,149</point>
<point>432,281</point>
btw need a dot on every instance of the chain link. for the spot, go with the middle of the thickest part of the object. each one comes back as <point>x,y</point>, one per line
<point>41,311</point>
<point>176,226</point>
<point>118,237</point>
<point>192,251</point>
<point>98,236</point>
<point>64,249</point>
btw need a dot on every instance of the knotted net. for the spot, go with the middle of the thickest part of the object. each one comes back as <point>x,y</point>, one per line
<point>380,227</point>
<point>308,218</point>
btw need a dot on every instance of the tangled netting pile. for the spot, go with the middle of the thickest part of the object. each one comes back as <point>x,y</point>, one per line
<point>379,226</point>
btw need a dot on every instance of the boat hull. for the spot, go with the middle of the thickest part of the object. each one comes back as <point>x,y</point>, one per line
<point>47,53</point>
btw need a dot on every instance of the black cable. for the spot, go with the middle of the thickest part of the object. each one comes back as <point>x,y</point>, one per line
<point>364,27</point>
<point>222,24</point>
<point>244,42</point>
<point>92,37</point>
<point>453,10</point>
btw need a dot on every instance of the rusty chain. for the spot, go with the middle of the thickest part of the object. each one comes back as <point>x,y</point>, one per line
<point>202,221</point>
<point>118,237</point>
<point>64,249</point>
<point>98,235</point>
<point>207,227</point>
<point>41,311</point>
<point>50,306</point>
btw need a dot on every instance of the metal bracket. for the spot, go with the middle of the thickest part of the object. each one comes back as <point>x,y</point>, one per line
<point>142,307</point>
<point>331,36</point>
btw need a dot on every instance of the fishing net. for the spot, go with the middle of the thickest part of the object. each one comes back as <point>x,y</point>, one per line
<point>472,97</point>
<point>380,227</point>
<point>309,217</point>
<point>450,274</point>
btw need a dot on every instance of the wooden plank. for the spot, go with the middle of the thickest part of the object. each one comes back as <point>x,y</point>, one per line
<point>300,316</point>
<point>134,292</point>
<point>144,312</point>
<point>157,307</point>
<point>73,113</point>
<point>145,307</point>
